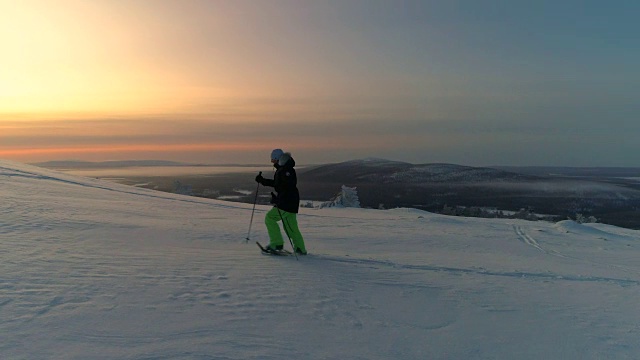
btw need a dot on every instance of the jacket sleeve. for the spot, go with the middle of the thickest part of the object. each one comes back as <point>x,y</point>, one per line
<point>268,182</point>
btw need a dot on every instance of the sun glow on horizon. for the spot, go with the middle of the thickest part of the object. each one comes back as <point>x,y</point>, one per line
<point>128,148</point>
<point>89,57</point>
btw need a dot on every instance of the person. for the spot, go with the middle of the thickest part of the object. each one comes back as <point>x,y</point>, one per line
<point>286,203</point>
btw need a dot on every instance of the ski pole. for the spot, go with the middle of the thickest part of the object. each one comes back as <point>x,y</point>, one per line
<point>254,209</point>
<point>284,225</point>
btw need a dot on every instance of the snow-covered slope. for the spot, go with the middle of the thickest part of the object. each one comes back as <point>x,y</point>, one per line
<point>95,270</point>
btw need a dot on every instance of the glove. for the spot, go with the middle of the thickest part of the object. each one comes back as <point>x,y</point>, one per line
<point>274,199</point>
<point>259,178</point>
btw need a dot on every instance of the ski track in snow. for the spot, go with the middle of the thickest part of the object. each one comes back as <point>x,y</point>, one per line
<point>529,240</point>
<point>513,274</point>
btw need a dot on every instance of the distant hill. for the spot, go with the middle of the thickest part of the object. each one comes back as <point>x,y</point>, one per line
<point>389,172</point>
<point>562,192</point>
<point>612,195</point>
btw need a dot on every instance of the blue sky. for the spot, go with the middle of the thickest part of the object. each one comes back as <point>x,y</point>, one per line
<point>468,82</point>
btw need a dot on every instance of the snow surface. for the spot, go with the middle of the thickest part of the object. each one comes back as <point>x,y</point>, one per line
<point>95,270</point>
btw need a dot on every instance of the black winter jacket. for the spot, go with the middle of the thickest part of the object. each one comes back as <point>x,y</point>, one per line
<point>285,182</point>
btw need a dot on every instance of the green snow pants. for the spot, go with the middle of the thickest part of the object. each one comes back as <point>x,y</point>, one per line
<point>290,224</point>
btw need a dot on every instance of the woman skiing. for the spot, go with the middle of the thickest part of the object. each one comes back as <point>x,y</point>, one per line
<point>286,203</point>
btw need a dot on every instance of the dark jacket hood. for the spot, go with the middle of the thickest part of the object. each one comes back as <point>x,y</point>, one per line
<point>286,161</point>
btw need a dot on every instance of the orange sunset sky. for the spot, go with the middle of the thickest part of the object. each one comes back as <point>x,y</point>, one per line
<point>470,82</point>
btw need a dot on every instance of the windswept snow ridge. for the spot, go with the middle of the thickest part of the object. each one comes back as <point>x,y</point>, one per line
<point>95,270</point>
